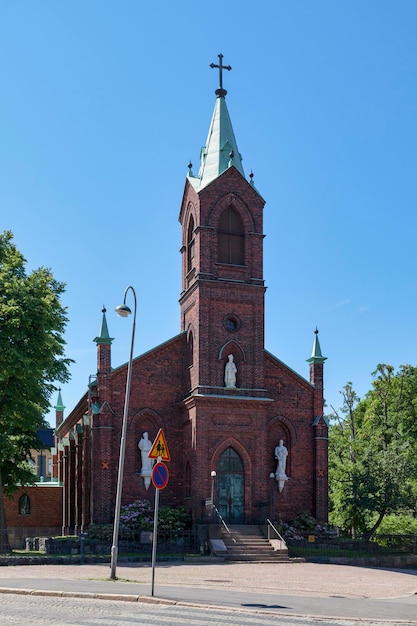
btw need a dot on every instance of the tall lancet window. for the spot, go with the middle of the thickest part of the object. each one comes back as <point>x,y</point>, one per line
<point>190,245</point>
<point>231,238</point>
<point>190,349</point>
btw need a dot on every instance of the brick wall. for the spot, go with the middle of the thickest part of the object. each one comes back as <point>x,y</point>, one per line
<point>43,499</point>
<point>44,518</point>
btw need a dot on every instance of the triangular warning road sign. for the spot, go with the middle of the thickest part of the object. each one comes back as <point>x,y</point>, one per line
<point>159,448</point>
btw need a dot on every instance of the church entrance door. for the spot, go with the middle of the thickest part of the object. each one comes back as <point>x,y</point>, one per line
<point>231,487</point>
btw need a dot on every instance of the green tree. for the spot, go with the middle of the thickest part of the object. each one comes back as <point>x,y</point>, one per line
<point>373,450</point>
<point>344,469</point>
<point>32,323</point>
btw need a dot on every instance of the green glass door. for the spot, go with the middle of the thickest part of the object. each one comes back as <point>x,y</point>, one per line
<point>231,487</point>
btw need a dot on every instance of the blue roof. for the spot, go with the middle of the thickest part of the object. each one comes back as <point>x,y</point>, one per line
<point>46,436</point>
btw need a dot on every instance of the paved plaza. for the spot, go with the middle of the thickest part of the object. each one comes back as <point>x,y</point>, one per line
<point>287,588</point>
<point>304,579</point>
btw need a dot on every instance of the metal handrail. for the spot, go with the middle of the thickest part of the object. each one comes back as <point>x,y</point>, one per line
<point>222,522</point>
<point>270,525</point>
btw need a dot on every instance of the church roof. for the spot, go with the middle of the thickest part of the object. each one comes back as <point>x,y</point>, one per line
<point>220,151</point>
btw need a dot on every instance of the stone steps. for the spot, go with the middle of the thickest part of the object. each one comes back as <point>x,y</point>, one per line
<point>247,543</point>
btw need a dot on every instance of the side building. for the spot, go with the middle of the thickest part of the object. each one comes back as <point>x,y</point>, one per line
<point>36,510</point>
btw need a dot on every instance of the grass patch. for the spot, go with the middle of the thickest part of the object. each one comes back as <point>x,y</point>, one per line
<point>27,553</point>
<point>119,580</point>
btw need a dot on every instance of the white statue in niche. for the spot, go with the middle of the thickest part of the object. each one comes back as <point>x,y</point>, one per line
<point>144,446</point>
<point>230,373</point>
<point>281,454</point>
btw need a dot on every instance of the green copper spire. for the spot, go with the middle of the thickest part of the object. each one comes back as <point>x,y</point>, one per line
<point>59,405</point>
<point>220,151</point>
<point>103,337</point>
<point>316,355</point>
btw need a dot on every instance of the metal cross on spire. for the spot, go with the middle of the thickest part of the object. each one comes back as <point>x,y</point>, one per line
<point>221,67</point>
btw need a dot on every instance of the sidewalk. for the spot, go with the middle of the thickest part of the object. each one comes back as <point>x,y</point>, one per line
<point>291,588</point>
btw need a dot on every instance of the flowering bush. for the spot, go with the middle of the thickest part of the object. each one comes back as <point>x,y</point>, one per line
<point>138,516</point>
<point>287,530</point>
<point>304,524</point>
<point>135,517</point>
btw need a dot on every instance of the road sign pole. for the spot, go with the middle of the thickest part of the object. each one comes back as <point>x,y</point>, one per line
<point>154,539</point>
<point>160,475</point>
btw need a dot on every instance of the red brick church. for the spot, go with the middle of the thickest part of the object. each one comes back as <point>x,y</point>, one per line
<point>240,425</point>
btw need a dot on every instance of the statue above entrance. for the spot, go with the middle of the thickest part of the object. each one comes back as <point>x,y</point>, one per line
<point>230,373</point>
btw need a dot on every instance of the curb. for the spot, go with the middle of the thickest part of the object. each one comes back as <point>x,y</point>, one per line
<point>166,602</point>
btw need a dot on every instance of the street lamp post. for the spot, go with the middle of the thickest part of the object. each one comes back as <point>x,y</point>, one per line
<point>124,311</point>
<point>271,495</point>
<point>213,478</point>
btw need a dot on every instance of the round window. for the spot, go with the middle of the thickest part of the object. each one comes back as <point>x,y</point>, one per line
<point>231,323</point>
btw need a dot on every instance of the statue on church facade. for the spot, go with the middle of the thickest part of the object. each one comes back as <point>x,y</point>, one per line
<point>281,454</point>
<point>230,373</point>
<point>144,446</point>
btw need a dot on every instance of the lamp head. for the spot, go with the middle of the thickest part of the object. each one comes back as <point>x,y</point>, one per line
<point>213,474</point>
<point>123,310</point>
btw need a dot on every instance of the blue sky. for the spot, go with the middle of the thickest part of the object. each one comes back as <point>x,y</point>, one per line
<point>104,103</point>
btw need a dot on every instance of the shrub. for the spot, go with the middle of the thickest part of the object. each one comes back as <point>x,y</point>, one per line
<point>138,516</point>
<point>135,517</point>
<point>101,532</point>
<point>172,519</point>
<point>304,522</point>
<point>398,524</point>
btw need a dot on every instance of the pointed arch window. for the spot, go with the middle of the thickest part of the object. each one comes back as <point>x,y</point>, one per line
<point>190,349</point>
<point>190,245</point>
<point>230,461</point>
<point>231,238</point>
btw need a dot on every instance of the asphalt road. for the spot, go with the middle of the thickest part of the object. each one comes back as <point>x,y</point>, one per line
<point>24,610</point>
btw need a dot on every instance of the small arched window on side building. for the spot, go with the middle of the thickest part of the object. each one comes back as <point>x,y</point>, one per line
<point>231,238</point>
<point>24,504</point>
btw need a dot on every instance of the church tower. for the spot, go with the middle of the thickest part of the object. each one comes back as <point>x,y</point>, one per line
<point>240,400</point>
<point>222,299</point>
<point>222,314</point>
